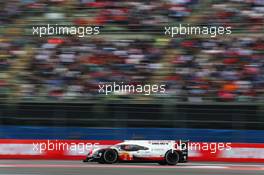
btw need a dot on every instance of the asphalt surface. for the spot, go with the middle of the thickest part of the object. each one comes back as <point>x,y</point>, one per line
<point>37,167</point>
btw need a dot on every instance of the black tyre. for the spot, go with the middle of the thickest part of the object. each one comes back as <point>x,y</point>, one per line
<point>172,157</point>
<point>109,156</point>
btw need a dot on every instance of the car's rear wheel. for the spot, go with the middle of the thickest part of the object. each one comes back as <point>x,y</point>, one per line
<point>172,157</point>
<point>109,156</point>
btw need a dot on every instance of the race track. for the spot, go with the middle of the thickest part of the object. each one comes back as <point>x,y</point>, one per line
<point>37,167</point>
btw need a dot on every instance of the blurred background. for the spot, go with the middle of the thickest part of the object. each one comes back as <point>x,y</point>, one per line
<point>214,86</point>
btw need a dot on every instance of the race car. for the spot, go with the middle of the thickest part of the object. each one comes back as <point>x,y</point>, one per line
<point>164,152</point>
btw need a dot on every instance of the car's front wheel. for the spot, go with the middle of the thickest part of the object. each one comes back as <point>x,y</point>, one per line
<point>109,156</point>
<point>172,157</point>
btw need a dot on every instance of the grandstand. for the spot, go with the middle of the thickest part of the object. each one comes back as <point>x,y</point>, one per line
<point>131,49</point>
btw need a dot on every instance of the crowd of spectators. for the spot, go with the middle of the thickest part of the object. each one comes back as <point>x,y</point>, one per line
<point>226,68</point>
<point>241,15</point>
<point>200,68</point>
<point>74,68</point>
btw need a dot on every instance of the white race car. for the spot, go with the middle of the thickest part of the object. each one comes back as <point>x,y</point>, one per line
<point>164,152</point>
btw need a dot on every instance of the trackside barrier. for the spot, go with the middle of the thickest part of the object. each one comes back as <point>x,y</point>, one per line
<point>77,149</point>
